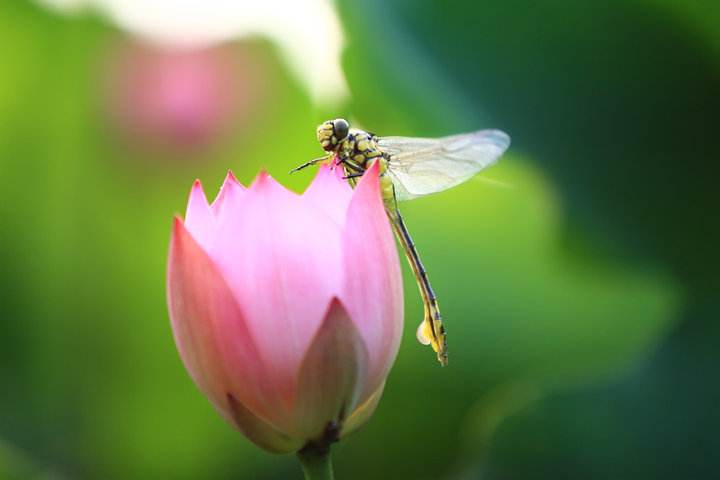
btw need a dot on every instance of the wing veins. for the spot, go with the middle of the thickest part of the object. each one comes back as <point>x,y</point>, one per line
<point>420,166</point>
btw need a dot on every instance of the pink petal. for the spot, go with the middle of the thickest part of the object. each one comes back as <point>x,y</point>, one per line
<point>372,285</point>
<point>230,193</point>
<point>329,193</point>
<point>282,262</point>
<point>260,432</point>
<point>332,374</point>
<point>211,333</point>
<point>363,412</point>
<point>199,219</point>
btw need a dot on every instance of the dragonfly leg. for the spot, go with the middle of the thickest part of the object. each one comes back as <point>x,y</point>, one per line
<point>308,164</point>
<point>353,175</point>
<point>357,168</point>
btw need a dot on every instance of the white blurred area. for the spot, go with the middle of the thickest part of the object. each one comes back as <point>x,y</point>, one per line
<point>308,33</point>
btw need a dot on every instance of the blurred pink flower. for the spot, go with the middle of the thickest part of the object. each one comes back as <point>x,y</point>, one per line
<point>307,34</point>
<point>175,99</point>
<point>287,309</point>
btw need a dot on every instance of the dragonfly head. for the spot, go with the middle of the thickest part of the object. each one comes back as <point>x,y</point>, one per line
<point>332,132</point>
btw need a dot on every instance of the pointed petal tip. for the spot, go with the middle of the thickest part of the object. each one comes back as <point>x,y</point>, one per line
<point>335,306</point>
<point>199,219</point>
<point>197,188</point>
<point>368,188</point>
<point>374,168</point>
<point>230,187</point>
<point>335,311</point>
<point>262,179</point>
<point>373,171</point>
<point>327,176</point>
<point>265,183</point>
<point>177,236</point>
<point>371,177</point>
<point>231,180</point>
<point>230,177</point>
<point>179,228</point>
<point>197,193</point>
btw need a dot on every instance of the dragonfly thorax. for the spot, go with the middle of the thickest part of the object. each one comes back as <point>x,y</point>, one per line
<point>358,150</point>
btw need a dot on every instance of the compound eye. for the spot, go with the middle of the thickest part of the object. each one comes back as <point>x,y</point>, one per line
<point>341,128</point>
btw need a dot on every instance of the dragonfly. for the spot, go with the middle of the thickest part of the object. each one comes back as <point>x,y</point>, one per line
<point>411,168</point>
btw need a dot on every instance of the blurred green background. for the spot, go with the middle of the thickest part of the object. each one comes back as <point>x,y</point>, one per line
<point>581,296</point>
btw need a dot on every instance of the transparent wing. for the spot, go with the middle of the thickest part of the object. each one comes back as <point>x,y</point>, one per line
<point>421,166</point>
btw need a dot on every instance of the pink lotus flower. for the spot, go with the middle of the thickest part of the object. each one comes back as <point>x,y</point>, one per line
<point>287,309</point>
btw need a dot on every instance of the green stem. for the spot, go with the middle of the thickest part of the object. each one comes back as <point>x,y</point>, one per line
<point>316,463</point>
